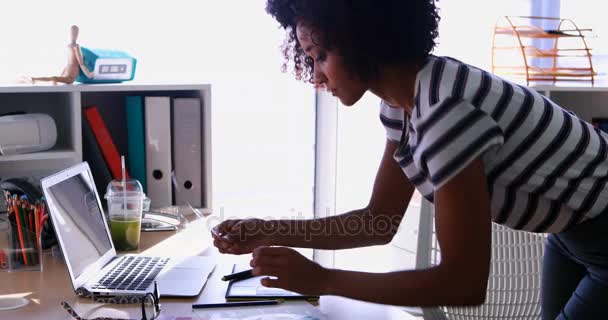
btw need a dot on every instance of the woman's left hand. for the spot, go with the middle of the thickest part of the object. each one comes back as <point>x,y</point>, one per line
<point>293,271</point>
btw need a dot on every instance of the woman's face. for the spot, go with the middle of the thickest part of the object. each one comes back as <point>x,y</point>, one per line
<point>329,69</point>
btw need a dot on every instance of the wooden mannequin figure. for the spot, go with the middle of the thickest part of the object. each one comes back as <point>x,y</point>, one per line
<point>75,63</point>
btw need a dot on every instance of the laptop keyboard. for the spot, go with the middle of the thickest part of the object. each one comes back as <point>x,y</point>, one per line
<point>132,273</point>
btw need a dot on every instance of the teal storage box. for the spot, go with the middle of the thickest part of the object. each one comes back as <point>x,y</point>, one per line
<point>108,66</point>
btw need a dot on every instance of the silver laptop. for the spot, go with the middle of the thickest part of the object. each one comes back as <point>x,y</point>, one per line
<point>89,253</point>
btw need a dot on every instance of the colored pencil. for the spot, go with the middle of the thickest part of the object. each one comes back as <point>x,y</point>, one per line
<point>15,239</point>
<point>37,225</point>
<point>25,221</point>
<point>42,221</point>
<point>21,241</point>
<point>26,234</point>
<point>31,232</point>
<point>30,216</point>
<point>42,217</point>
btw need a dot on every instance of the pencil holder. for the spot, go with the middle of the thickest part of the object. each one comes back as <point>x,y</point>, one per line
<point>19,245</point>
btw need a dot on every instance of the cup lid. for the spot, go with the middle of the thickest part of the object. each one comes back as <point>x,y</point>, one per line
<point>130,188</point>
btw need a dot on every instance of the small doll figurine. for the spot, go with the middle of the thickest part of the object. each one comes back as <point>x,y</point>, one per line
<point>75,63</point>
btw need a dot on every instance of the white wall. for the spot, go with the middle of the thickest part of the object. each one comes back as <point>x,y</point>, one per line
<point>466,27</point>
<point>587,14</point>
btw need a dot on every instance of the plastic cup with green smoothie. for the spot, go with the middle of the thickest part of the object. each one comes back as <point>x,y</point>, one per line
<point>125,205</point>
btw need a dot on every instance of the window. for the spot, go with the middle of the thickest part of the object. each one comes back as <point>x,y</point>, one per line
<point>361,137</point>
<point>263,120</point>
<point>470,39</point>
<point>581,12</point>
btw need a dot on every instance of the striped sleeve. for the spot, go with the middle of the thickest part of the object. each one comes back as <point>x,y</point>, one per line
<point>392,120</point>
<point>451,134</point>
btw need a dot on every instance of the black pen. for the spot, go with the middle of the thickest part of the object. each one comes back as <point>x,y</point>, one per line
<point>236,304</point>
<point>238,276</point>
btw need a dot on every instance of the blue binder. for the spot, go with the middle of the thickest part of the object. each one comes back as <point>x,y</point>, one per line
<point>108,66</point>
<point>136,156</point>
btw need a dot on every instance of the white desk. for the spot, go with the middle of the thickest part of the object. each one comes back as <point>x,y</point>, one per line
<point>45,290</point>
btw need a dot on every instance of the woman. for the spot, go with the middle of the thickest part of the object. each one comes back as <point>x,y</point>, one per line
<point>480,148</point>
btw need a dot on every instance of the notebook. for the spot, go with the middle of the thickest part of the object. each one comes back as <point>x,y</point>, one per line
<point>252,289</point>
<point>90,257</point>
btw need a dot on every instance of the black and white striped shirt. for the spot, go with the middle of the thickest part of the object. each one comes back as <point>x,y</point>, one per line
<point>546,169</point>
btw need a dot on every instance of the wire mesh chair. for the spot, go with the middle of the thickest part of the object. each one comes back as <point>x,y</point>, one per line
<point>514,285</point>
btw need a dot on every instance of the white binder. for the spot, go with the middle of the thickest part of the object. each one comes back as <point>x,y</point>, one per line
<point>187,152</point>
<point>158,150</point>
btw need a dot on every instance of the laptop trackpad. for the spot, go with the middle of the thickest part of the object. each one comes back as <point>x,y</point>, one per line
<point>185,276</point>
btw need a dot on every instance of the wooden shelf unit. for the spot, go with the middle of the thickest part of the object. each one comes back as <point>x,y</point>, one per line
<point>517,50</point>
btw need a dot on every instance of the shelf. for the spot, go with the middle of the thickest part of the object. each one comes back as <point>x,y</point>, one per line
<point>535,32</point>
<point>554,53</point>
<point>532,51</point>
<point>111,87</point>
<point>46,155</point>
<point>541,48</point>
<point>64,103</point>
<point>549,72</point>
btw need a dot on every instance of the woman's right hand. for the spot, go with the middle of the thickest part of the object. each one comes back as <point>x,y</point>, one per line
<point>242,236</point>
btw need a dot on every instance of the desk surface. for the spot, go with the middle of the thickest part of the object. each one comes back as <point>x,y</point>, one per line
<point>45,290</point>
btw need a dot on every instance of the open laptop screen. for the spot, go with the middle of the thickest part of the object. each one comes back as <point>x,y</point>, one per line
<point>78,218</point>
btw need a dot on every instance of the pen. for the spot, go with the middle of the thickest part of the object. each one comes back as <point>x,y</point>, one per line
<point>238,276</point>
<point>159,228</point>
<point>236,304</point>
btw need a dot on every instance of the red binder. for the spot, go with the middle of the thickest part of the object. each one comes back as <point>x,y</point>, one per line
<point>105,142</point>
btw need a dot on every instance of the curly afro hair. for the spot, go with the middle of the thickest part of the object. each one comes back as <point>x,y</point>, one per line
<point>367,34</point>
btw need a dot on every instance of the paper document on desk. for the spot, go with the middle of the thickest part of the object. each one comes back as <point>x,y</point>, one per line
<point>264,316</point>
<point>252,289</point>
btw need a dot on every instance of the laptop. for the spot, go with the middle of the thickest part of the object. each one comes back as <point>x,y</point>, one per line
<point>85,240</point>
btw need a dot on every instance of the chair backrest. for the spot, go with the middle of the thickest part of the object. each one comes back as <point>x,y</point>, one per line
<point>514,284</point>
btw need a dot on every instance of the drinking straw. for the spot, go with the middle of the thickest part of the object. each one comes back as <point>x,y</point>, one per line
<point>124,187</point>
